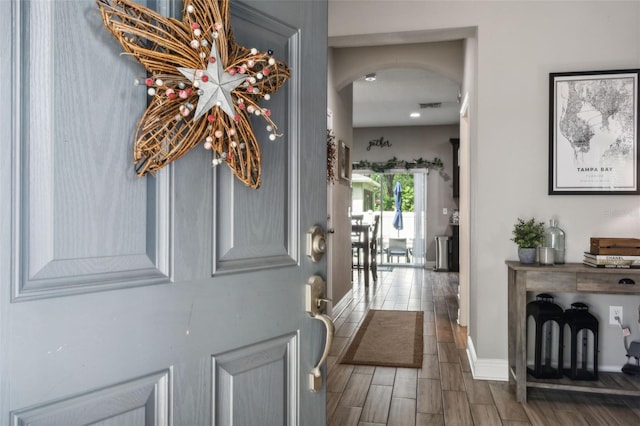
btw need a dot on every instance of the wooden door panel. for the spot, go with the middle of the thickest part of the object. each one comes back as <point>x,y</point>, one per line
<point>86,222</point>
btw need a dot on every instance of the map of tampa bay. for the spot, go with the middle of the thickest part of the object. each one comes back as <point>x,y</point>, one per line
<point>595,132</point>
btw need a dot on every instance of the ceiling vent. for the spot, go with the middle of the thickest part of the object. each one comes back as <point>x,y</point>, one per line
<point>431,105</point>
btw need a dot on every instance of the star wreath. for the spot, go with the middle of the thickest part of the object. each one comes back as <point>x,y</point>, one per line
<point>203,86</point>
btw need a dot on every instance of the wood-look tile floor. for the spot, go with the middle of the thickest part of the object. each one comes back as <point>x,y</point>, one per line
<point>443,391</point>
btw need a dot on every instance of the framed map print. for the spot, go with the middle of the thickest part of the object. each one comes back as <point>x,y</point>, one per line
<point>593,133</point>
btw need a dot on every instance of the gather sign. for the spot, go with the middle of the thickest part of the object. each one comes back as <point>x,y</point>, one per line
<point>381,142</point>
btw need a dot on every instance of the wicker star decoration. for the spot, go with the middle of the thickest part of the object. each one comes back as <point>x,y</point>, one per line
<point>203,86</point>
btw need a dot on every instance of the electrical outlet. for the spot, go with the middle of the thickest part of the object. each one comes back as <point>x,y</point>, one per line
<point>615,311</point>
<point>445,210</point>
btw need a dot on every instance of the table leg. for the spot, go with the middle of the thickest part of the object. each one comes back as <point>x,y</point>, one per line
<point>520,285</point>
<point>373,265</point>
<point>366,259</point>
<point>511,323</point>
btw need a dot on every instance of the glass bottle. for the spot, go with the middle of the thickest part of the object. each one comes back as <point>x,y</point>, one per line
<point>554,237</point>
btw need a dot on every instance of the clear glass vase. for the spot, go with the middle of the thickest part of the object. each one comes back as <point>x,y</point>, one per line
<point>554,237</point>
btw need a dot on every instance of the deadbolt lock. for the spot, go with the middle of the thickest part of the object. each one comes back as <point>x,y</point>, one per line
<point>316,243</point>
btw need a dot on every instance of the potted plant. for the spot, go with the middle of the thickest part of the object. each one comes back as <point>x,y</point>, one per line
<point>528,235</point>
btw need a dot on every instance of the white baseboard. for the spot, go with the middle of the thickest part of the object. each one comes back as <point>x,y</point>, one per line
<point>498,369</point>
<point>486,369</point>
<point>610,368</point>
<point>343,304</point>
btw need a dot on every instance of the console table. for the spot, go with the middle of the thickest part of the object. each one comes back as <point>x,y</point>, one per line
<point>567,278</point>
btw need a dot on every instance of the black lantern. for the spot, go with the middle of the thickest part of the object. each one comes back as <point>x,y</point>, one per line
<point>580,322</point>
<point>548,322</point>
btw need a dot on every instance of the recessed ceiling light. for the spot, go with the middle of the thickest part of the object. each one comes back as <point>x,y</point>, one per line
<point>414,115</point>
<point>370,77</point>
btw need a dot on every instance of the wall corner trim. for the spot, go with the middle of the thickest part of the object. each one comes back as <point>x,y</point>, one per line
<point>486,369</point>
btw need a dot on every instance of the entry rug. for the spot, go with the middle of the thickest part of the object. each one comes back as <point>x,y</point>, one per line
<point>388,339</point>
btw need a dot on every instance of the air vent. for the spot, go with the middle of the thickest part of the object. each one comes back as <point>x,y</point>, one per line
<point>431,105</point>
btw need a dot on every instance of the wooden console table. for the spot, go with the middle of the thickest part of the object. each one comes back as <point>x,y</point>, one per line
<point>567,278</point>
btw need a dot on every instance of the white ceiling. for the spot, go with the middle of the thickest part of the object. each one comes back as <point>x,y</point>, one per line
<point>396,93</point>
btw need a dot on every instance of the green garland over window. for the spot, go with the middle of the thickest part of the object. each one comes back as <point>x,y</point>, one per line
<point>394,163</point>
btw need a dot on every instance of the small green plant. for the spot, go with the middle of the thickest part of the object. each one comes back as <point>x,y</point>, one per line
<point>529,234</point>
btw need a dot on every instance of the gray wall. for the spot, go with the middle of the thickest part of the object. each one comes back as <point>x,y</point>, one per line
<point>339,102</point>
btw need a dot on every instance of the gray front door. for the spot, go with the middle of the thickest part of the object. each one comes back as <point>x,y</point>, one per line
<point>174,299</point>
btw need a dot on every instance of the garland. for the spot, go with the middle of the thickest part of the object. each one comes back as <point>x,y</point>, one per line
<point>203,86</point>
<point>394,163</point>
<point>331,157</point>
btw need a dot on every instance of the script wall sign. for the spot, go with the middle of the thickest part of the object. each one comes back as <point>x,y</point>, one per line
<point>381,142</point>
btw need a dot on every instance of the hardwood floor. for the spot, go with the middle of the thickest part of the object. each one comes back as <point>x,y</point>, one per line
<point>443,391</point>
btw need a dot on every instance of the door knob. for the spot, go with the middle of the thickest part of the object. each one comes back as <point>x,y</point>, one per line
<point>313,303</point>
<point>316,243</point>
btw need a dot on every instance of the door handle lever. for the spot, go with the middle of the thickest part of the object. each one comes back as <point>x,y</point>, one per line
<point>320,300</point>
<point>315,377</point>
<point>314,292</point>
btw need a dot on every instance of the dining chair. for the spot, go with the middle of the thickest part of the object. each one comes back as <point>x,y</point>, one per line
<point>373,248</point>
<point>398,247</point>
<point>357,245</point>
